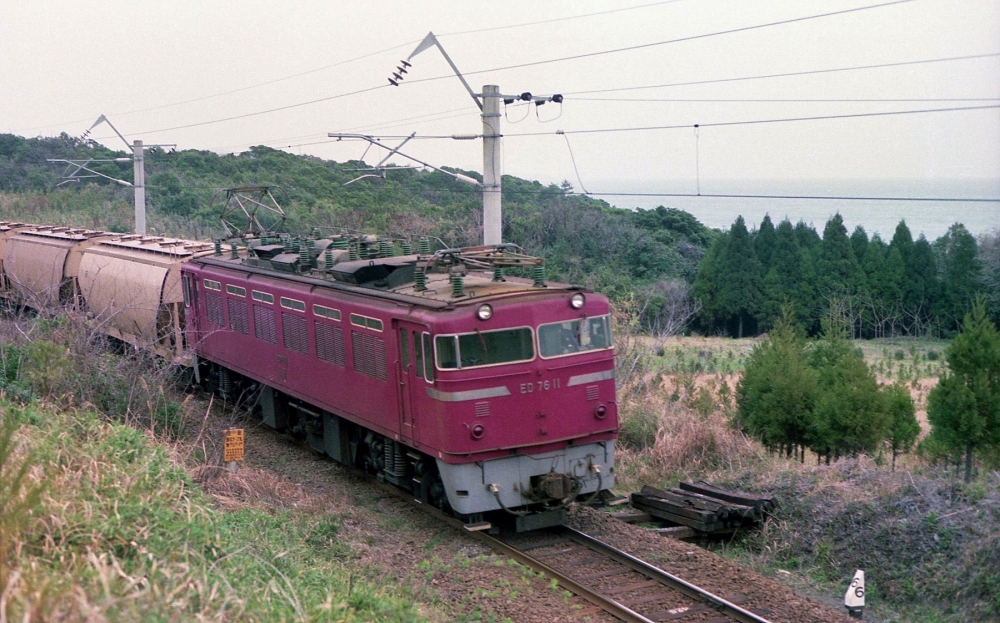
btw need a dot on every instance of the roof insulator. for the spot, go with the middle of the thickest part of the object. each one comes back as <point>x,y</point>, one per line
<point>457,286</point>
<point>538,276</point>
<point>419,279</point>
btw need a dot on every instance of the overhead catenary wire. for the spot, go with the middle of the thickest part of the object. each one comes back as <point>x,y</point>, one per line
<point>789,74</point>
<point>642,46</point>
<point>543,62</point>
<point>352,60</point>
<point>767,100</point>
<point>719,124</point>
<point>680,126</point>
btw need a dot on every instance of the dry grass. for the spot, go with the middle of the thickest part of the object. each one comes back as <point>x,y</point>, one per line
<point>254,488</point>
<point>678,429</point>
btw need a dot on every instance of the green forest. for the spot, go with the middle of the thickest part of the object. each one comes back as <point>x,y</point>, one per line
<point>733,282</point>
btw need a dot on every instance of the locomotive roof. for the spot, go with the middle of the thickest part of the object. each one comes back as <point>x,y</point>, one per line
<point>478,285</point>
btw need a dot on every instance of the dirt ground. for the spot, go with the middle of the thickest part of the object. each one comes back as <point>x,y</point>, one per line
<point>453,576</point>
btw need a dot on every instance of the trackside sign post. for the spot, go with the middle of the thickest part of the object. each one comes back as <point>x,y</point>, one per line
<point>854,599</point>
<point>233,449</point>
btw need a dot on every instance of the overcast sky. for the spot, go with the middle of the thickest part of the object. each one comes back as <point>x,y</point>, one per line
<point>173,71</point>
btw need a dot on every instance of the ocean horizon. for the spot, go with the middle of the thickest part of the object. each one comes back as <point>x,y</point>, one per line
<point>930,218</point>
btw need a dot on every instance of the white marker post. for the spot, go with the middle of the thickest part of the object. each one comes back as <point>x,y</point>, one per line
<point>854,599</point>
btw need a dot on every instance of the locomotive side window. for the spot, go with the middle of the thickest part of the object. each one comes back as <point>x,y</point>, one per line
<point>212,285</point>
<point>236,290</point>
<point>428,358</point>
<point>327,312</point>
<point>484,348</point>
<point>186,289</point>
<point>557,339</point>
<point>263,297</point>
<point>418,355</point>
<point>405,346</point>
<point>295,304</point>
<point>367,322</point>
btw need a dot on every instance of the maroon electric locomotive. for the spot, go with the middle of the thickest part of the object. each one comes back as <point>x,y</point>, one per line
<point>486,395</point>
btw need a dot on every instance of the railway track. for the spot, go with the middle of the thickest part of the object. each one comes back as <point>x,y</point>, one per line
<point>611,580</point>
<point>618,583</point>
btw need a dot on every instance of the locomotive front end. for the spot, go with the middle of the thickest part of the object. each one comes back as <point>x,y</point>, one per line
<point>526,394</point>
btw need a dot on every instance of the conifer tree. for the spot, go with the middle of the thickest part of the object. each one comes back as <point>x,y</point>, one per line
<point>706,283</point>
<point>776,396</point>
<point>961,273</point>
<point>850,416</point>
<point>920,286</point>
<point>964,407</point>
<point>764,242</point>
<point>783,283</point>
<point>904,427</point>
<point>740,279</point>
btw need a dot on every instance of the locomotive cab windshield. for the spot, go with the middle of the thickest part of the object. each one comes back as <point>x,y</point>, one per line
<point>569,337</point>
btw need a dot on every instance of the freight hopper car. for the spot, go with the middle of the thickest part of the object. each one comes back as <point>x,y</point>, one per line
<point>488,396</point>
<point>130,285</point>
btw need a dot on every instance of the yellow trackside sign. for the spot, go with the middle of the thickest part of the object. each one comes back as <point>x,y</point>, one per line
<point>234,445</point>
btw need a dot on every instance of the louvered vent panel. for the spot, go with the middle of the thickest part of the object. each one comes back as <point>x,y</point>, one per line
<point>593,392</point>
<point>379,354</point>
<point>482,409</point>
<point>238,318</point>
<point>369,355</point>
<point>330,343</point>
<point>294,329</point>
<point>213,307</point>
<point>263,321</point>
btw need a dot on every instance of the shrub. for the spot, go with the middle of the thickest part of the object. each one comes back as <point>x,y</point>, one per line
<point>900,355</point>
<point>638,427</point>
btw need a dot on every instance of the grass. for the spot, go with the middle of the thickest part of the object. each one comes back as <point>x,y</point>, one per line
<point>121,533</point>
<point>927,542</point>
<point>902,358</point>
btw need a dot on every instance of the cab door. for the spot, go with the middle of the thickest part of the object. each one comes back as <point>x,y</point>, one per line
<point>408,377</point>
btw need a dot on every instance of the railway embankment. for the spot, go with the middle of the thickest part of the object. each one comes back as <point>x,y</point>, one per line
<point>138,521</point>
<point>927,541</point>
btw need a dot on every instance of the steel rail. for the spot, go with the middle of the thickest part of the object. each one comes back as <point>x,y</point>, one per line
<point>604,603</point>
<point>655,573</point>
<point>599,600</point>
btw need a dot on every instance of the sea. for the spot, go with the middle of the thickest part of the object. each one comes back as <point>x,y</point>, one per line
<point>884,202</point>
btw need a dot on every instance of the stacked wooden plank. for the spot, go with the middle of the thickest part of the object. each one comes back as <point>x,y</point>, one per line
<point>762,505</point>
<point>703,507</point>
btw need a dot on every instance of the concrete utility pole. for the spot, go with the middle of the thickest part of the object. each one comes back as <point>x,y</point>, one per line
<point>139,183</point>
<point>489,103</point>
<point>492,219</point>
<point>138,172</point>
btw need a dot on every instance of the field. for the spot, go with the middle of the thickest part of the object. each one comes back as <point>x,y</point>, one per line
<point>134,521</point>
<point>926,541</point>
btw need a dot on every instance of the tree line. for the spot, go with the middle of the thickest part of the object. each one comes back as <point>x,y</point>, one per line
<point>822,396</point>
<point>879,289</point>
<point>583,240</point>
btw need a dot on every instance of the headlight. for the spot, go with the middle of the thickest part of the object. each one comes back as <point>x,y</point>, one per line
<point>477,431</point>
<point>576,301</point>
<point>485,312</point>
